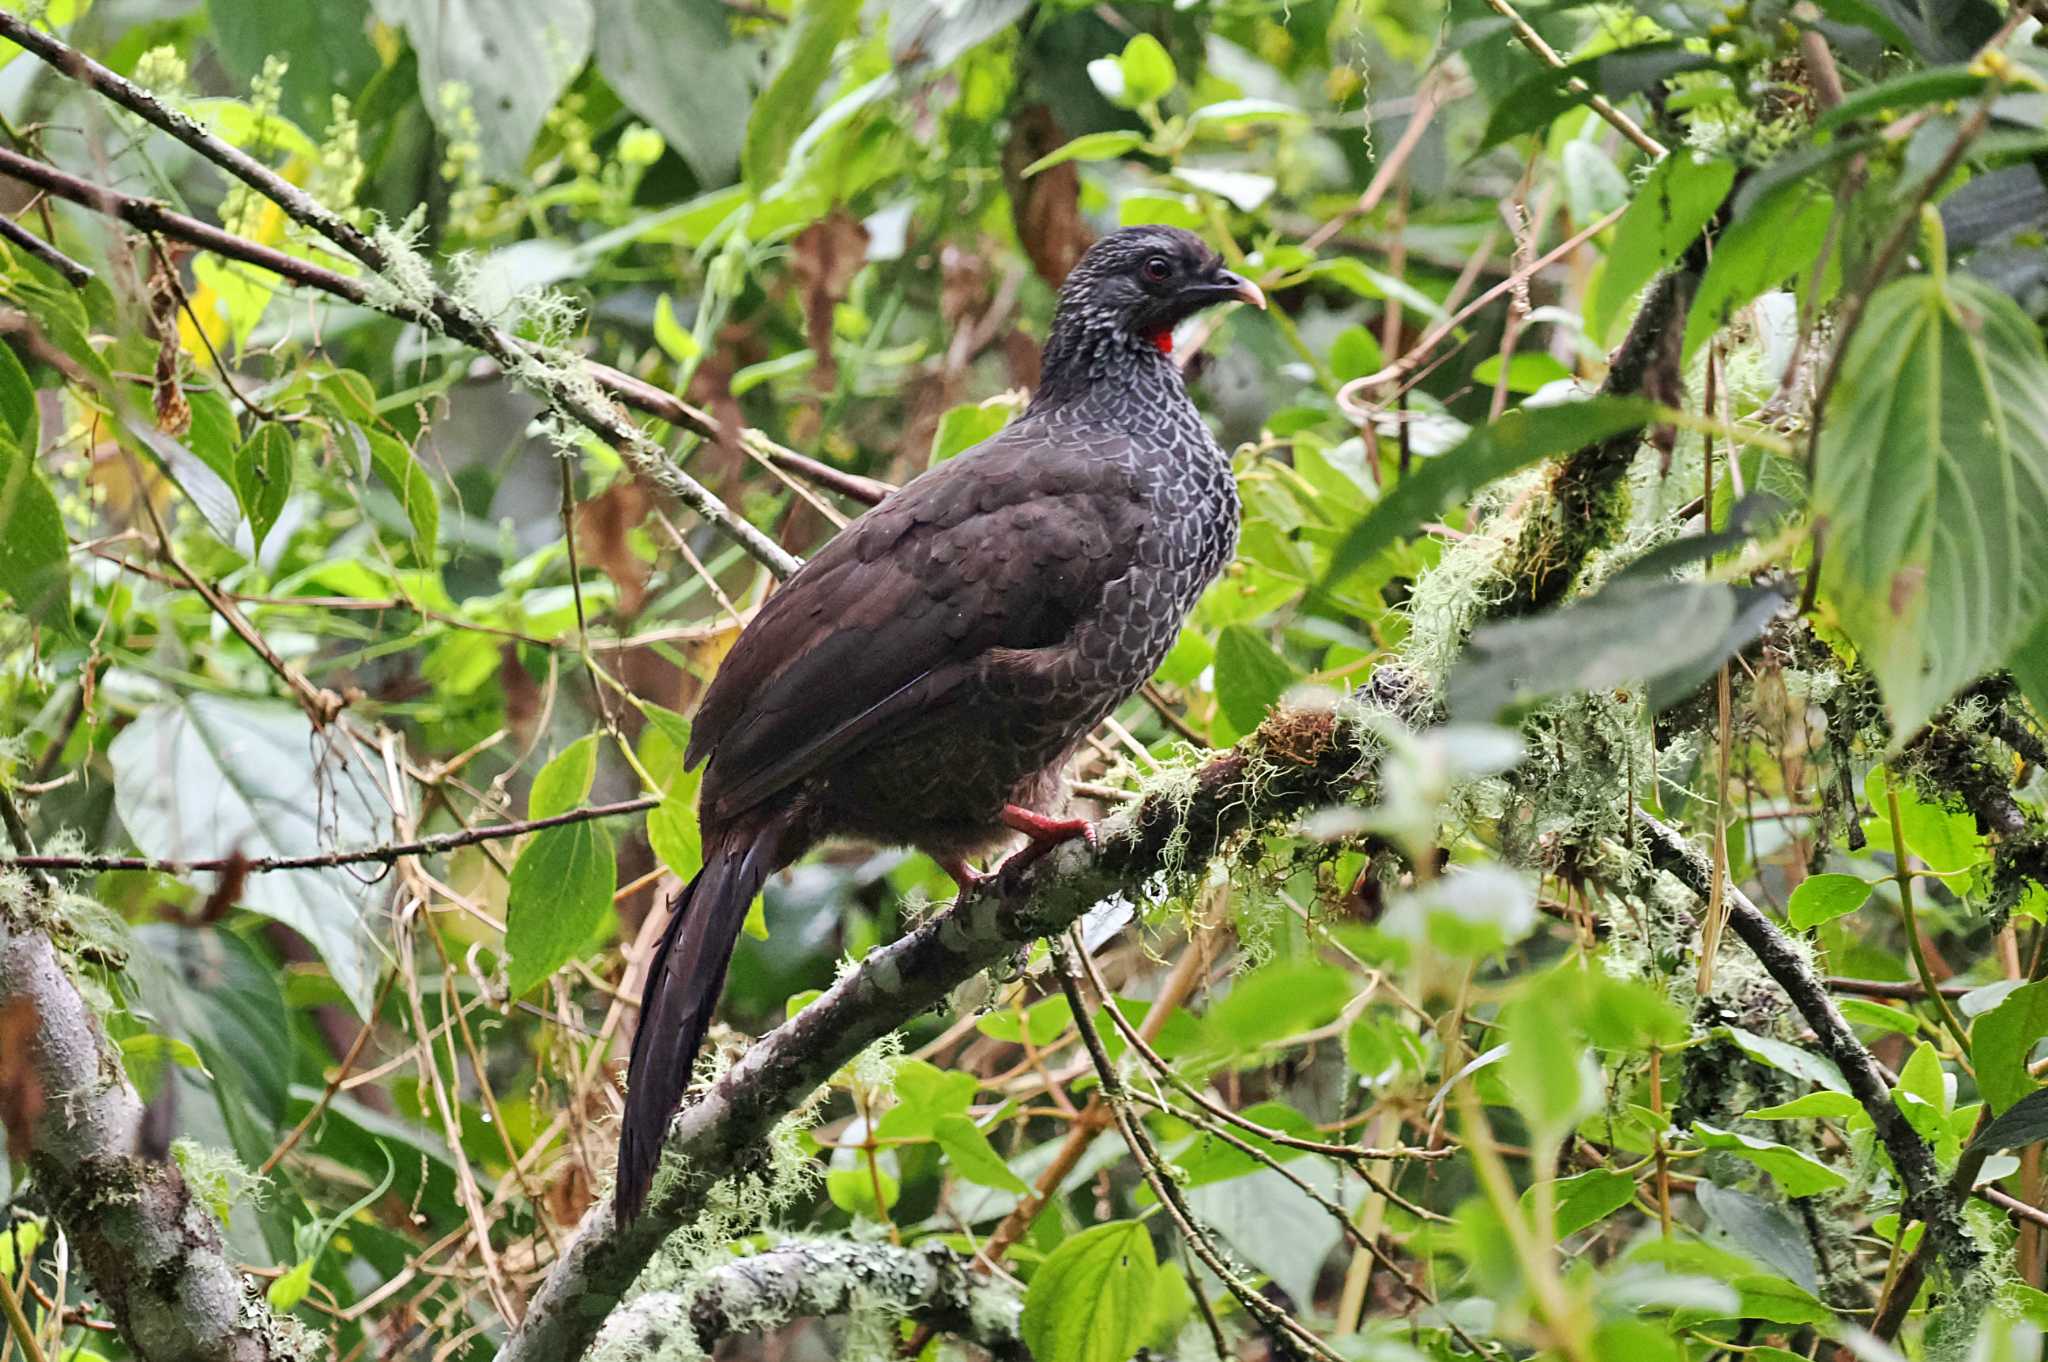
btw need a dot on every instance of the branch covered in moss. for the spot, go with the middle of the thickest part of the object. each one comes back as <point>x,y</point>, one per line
<point>404,286</point>
<point>153,1252</point>
<point>812,1278</point>
<point>1927,1195</point>
<point>1298,760</point>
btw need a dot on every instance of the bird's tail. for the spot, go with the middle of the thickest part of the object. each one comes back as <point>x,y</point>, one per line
<point>681,992</point>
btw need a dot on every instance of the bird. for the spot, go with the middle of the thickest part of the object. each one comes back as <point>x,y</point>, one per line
<point>923,679</point>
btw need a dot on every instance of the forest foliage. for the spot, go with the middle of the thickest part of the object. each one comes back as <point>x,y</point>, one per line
<point>1584,880</point>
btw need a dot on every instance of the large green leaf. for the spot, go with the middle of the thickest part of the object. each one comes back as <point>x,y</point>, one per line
<point>34,555</point>
<point>263,477</point>
<point>1933,487</point>
<point>1674,204</point>
<point>1520,438</point>
<point>700,104</point>
<point>1797,1174</point>
<point>206,776</point>
<point>514,57</point>
<point>561,887</point>
<point>1776,240</point>
<point>2001,1041</point>
<point>1091,1300</point>
<point>1669,635</point>
<point>329,50</point>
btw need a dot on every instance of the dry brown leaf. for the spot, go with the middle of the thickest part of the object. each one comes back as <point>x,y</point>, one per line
<point>1047,207</point>
<point>829,253</point>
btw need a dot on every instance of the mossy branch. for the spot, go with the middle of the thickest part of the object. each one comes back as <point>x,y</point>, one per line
<point>153,1251</point>
<point>402,285</point>
<point>1298,760</point>
<point>808,1278</point>
<point>1928,1198</point>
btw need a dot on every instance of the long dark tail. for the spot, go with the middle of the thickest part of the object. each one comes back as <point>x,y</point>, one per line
<point>681,992</point>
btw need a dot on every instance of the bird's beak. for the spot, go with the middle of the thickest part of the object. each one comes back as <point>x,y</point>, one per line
<point>1238,287</point>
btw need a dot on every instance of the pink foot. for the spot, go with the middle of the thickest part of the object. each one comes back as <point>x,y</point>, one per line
<point>1045,834</point>
<point>964,875</point>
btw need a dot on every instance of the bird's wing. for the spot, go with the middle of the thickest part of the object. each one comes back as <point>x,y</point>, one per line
<point>1003,547</point>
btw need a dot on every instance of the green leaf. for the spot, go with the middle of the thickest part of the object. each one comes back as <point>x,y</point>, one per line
<point>263,477</point>
<point>329,50</point>
<point>1548,1067</point>
<point>1090,1301</point>
<point>1586,1198</point>
<point>784,106</point>
<point>1776,240</point>
<point>973,1157</point>
<point>1536,102</point>
<point>1147,70</point>
<point>393,459</point>
<point>1091,146</point>
<point>514,58</point>
<point>34,554</point>
<point>1823,898</point>
<point>1813,1106</point>
<point>2024,1123</point>
<point>288,1290</point>
<point>1933,486</point>
<point>1518,439</point>
<point>1865,1012</point>
<point>17,400</point>
<point>1668,213</point>
<point>1797,1174</point>
<point>1247,113</point>
<point>268,788</point>
<point>676,341</point>
<point>1901,94</point>
<point>968,424</point>
<point>1271,1004</point>
<point>853,1189</point>
<point>1787,1058</point>
<point>674,835</point>
<point>1042,1022</point>
<point>565,781</point>
<point>561,890</point>
<point>1669,635</point>
<point>2001,1041</point>
<point>1250,676</point>
<point>1206,1158</point>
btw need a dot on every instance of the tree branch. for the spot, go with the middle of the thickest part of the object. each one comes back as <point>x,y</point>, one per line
<point>1927,1196</point>
<point>154,1253</point>
<point>816,1277</point>
<point>425,846</point>
<point>405,289</point>
<point>1297,760</point>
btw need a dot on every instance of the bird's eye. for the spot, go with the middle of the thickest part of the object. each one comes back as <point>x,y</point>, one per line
<point>1157,269</point>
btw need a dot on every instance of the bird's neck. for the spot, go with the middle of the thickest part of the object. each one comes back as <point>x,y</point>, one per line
<point>1083,361</point>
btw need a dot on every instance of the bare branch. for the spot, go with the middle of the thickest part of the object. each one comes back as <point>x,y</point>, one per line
<point>425,846</point>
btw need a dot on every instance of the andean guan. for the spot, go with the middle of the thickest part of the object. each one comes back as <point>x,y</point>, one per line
<point>924,679</point>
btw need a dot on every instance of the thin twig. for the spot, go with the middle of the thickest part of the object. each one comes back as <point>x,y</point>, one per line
<point>1600,104</point>
<point>425,846</point>
<point>75,274</point>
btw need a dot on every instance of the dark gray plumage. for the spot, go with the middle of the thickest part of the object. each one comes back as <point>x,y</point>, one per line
<point>925,678</point>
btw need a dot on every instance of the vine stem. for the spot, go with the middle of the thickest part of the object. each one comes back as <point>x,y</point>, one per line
<point>1903,875</point>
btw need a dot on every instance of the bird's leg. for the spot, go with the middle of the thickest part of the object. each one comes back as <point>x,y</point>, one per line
<point>1045,834</point>
<point>964,875</point>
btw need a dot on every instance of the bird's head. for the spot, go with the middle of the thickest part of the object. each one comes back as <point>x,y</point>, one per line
<point>1141,282</point>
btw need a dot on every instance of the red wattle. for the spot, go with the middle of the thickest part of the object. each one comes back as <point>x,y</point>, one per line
<point>1164,340</point>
